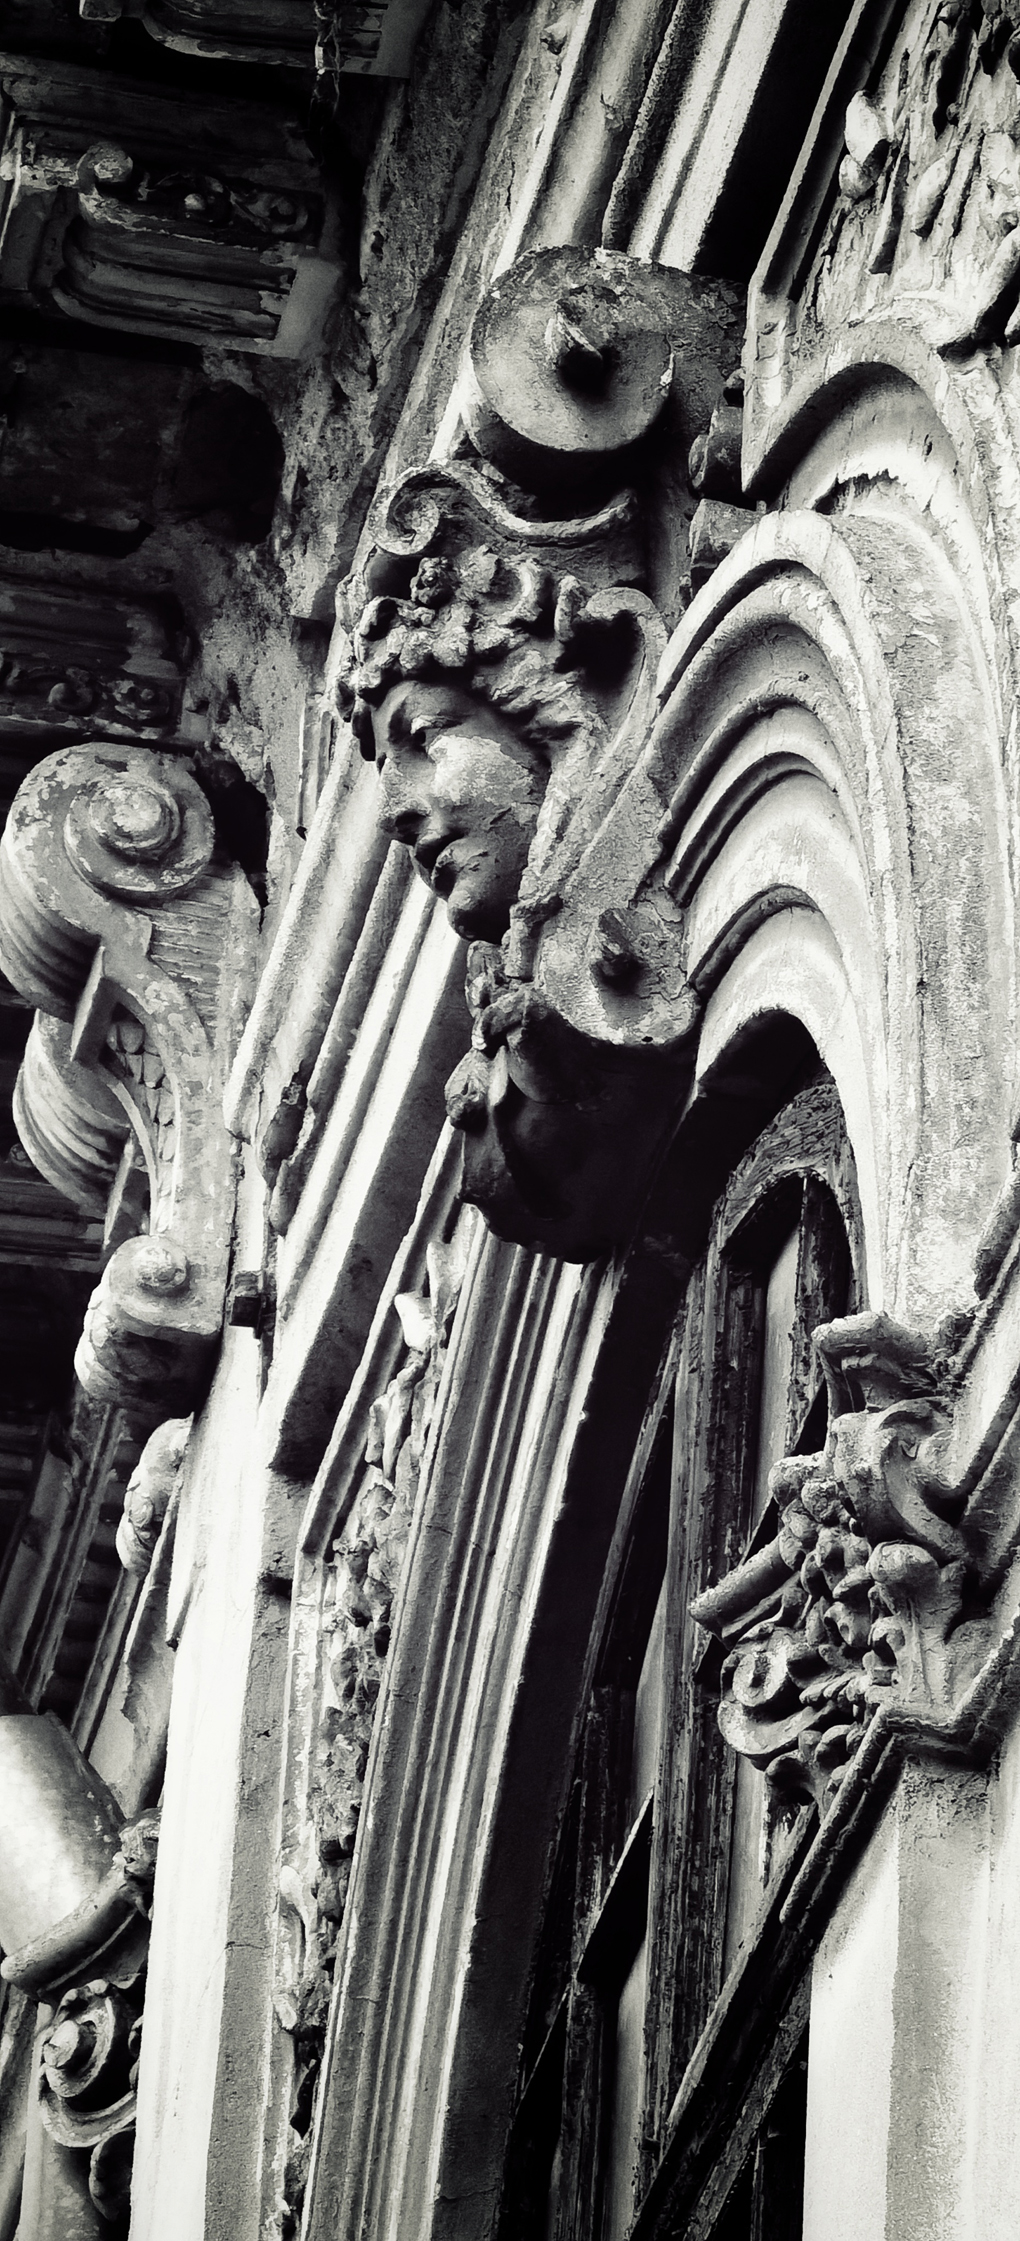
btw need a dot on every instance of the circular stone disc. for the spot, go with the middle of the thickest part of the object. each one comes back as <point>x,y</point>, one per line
<point>571,360</point>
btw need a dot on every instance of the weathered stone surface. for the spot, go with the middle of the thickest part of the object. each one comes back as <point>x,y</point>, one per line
<point>116,918</point>
<point>110,219</point>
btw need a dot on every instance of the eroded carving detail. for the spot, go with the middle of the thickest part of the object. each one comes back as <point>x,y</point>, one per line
<point>73,659</point>
<point>365,1574</point>
<point>88,2070</point>
<point>148,1494</point>
<point>867,1594</point>
<point>116,219</point>
<point>930,174</point>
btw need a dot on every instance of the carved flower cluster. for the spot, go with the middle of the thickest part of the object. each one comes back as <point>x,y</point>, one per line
<point>857,1620</point>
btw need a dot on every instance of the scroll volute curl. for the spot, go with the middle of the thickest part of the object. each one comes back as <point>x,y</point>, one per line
<point>89,823</point>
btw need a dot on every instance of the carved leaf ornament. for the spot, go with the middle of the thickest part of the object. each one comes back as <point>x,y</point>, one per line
<point>868,1594</point>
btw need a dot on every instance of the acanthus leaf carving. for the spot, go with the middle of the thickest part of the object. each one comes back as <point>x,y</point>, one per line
<point>867,1594</point>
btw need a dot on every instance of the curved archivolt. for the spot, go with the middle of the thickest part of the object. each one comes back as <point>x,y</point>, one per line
<point>832,839</point>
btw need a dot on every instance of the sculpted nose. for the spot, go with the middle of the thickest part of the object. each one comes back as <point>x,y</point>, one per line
<point>403,811</point>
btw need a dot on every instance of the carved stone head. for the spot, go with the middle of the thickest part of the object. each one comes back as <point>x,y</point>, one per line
<point>473,684</point>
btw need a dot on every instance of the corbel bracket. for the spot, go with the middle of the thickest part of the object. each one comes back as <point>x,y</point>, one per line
<point>866,1597</point>
<point>119,919</point>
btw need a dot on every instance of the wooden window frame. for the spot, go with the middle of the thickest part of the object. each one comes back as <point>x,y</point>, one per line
<point>703,1419</point>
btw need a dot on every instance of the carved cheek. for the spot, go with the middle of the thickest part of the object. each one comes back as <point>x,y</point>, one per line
<point>478,781</point>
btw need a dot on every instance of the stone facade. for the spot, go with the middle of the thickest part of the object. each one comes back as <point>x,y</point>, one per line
<point>509,580</point>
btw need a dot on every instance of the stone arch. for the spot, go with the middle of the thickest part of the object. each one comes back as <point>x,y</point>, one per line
<point>835,844</point>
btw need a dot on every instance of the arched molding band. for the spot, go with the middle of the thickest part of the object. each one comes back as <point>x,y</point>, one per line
<point>881,400</point>
<point>828,739</point>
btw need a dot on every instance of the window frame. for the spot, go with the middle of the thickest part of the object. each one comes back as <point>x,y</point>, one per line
<point>800,1171</point>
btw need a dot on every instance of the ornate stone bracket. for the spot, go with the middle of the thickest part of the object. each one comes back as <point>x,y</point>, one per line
<point>866,1595</point>
<point>585,1027</point>
<point>279,32</point>
<point>119,920</point>
<point>73,658</point>
<point>114,214</point>
<point>75,1890</point>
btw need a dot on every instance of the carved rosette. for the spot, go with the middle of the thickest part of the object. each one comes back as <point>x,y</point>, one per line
<point>120,922</point>
<point>866,1595</point>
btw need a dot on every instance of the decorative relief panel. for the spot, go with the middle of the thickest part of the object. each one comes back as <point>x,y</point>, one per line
<point>121,921</point>
<point>870,1593</point>
<point>357,1587</point>
<point>913,216</point>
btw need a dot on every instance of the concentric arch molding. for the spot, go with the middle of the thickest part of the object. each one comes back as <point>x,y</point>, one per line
<point>816,825</point>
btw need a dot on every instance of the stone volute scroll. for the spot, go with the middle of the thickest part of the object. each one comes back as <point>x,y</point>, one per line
<point>75,1897</point>
<point>870,1595</point>
<point>121,921</point>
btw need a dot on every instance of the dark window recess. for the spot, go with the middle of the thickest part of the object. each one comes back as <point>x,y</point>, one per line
<point>240,814</point>
<point>777,121</point>
<point>668,1857</point>
<point>767,2201</point>
<point>27,532</point>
